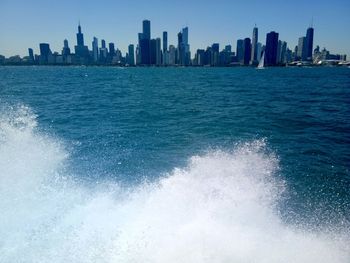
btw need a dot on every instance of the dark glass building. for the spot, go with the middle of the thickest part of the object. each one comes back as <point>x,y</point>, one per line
<point>31,55</point>
<point>145,51</point>
<point>215,47</point>
<point>66,49</point>
<point>146,26</point>
<point>240,50</point>
<point>271,49</point>
<point>165,41</point>
<point>80,37</point>
<point>44,53</point>
<point>81,50</point>
<point>247,47</point>
<point>144,42</point>
<point>180,50</point>
<point>309,43</point>
<point>131,58</point>
<point>199,58</point>
<point>111,49</point>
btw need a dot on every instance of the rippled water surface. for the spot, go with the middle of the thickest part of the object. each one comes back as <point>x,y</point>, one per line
<point>142,164</point>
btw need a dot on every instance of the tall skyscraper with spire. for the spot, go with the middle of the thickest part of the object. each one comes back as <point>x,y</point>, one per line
<point>254,58</point>
<point>80,37</point>
<point>81,50</point>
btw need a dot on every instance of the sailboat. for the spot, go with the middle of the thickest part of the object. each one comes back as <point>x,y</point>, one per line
<point>262,62</point>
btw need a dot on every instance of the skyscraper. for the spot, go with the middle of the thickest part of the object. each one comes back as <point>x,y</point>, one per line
<point>281,55</point>
<point>184,47</point>
<point>185,36</point>
<point>215,48</point>
<point>279,46</point>
<point>145,51</point>
<point>81,50</point>
<point>302,49</point>
<point>199,57</point>
<point>179,48</point>
<point>247,51</point>
<point>144,42</point>
<point>131,53</point>
<point>146,26</point>
<point>66,49</point>
<point>103,51</point>
<point>309,43</point>
<point>254,58</point>
<point>95,49</point>
<point>165,41</point>
<point>111,49</point>
<point>31,55</point>
<point>158,52</point>
<point>258,51</point>
<point>172,55</point>
<point>184,53</point>
<point>153,51</point>
<point>45,52</point>
<point>138,55</point>
<point>228,48</point>
<point>240,51</point>
<point>295,53</point>
<point>80,37</point>
<point>271,49</point>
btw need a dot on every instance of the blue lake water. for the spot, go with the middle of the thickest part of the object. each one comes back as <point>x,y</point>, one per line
<point>121,164</point>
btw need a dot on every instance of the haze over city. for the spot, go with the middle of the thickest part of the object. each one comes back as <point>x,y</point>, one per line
<point>30,23</point>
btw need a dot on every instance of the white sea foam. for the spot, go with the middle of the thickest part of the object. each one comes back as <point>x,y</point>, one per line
<point>220,208</point>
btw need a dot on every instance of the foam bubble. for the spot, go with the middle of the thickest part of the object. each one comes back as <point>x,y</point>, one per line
<point>220,208</point>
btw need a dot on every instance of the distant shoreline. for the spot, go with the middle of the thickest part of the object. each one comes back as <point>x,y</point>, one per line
<point>123,66</point>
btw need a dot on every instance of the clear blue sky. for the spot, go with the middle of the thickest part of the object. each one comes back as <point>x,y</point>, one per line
<point>26,23</point>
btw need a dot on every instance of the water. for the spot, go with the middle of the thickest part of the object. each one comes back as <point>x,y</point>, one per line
<point>174,164</point>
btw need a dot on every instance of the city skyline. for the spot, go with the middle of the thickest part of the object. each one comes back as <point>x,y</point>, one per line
<point>122,29</point>
<point>150,52</point>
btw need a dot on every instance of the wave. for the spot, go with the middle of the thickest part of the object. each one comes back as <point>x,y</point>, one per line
<point>221,207</point>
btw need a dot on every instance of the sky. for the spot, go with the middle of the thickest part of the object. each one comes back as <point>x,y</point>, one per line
<point>26,23</point>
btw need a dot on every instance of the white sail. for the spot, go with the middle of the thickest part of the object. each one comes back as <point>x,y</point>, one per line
<point>262,61</point>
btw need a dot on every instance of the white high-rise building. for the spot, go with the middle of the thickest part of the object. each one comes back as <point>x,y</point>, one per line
<point>254,59</point>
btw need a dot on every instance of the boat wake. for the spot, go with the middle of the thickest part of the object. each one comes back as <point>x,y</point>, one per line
<point>222,207</point>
